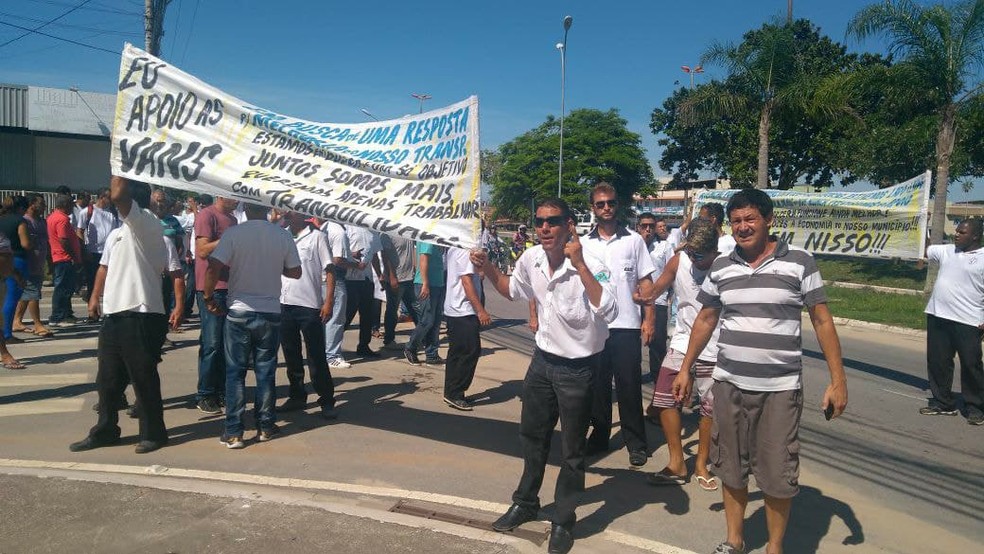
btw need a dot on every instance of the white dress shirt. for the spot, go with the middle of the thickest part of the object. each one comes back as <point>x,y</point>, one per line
<point>569,325</point>
<point>315,254</point>
<point>458,265</point>
<point>133,280</point>
<point>626,256</point>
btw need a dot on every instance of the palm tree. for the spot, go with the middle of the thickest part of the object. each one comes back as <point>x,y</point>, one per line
<point>941,48</point>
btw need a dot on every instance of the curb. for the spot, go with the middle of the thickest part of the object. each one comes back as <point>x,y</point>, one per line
<point>892,290</point>
<point>843,321</point>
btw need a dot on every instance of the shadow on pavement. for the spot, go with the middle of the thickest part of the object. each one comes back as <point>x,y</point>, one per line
<point>876,370</point>
<point>620,495</point>
<point>809,522</point>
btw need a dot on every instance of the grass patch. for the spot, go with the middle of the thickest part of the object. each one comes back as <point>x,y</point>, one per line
<point>882,273</point>
<point>899,310</point>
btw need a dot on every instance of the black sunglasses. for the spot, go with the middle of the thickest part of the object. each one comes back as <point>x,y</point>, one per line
<point>647,225</point>
<point>553,221</point>
<point>695,256</point>
<point>602,203</point>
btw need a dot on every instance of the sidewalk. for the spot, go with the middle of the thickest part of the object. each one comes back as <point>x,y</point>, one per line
<point>395,441</point>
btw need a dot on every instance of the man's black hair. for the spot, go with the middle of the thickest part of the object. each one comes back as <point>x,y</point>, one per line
<point>716,211</point>
<point>975,226</point>
<point>558,203</point>
<point>751,198</point>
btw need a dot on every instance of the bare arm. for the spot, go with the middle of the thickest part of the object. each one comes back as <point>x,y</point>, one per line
<point>499,281</point>
<point>823,324</point>
<point>700,335</point>
<point>472,295</point>
<point>329,304</point>
<point>292,272</point>
<point>177,314</point>
<point>204,247</point>
<point>424,278</point>
<point>98,286</point>
<point>25,236</point>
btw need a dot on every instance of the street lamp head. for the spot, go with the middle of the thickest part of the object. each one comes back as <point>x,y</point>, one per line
<point>568,20</point>
<point>560,46</point>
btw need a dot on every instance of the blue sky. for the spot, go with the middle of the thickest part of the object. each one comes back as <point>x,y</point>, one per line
<point>326,60</point>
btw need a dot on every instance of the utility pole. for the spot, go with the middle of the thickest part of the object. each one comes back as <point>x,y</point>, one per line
<point>789,12</point>
<point>154,25</point>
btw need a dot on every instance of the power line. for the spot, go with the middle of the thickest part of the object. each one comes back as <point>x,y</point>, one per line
<point>115,53</point>
<point>106,9</point>
<point>86,28</point>
<point>177,27</point>
<point>45,24</point>
<point>191,30</point>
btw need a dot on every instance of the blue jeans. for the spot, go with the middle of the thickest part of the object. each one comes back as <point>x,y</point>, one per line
<point>428,322</point>
<point>335,327</point>
<point>248,333</point>
<point>61,298</point>
<point>13,296</point>
<point>395,299</point>
<point>211,355</point>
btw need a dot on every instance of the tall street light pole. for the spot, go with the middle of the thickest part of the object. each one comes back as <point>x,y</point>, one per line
<point>692,71</point>
<point>368,114</point>
<point>562,46</point>
<point>422,98</point>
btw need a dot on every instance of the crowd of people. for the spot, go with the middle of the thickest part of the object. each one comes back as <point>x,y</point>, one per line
<point>265,282</point>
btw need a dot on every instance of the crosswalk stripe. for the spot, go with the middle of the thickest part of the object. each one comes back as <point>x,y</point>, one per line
<point>38,407</point>
<point>41,380</point>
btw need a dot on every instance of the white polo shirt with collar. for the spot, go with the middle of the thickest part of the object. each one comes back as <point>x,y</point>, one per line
<point>569,325</point>
<point>315,254</point>
<point>140,256</point>
<point>626,256</point>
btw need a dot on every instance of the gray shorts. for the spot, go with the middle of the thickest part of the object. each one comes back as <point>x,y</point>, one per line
<point>32,288</point>
<point>758,433</point>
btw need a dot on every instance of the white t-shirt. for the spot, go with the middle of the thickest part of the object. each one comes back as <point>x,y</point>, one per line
<point>257,252</point>
<point>140,255</point>
<point>315,255</point>
<point>626,256</point>
<point>360,238</point>
<point>458,265</point>
<point>661,253</point>
<point>100,224</point>
<point>686,286</point>
<point>570,325</point>
<point>338,243</point>
<point>726,243</point>
<point>958,294</point>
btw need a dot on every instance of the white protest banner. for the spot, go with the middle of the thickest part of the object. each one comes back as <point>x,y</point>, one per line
<point>886,223</point>
<point>417,177</point>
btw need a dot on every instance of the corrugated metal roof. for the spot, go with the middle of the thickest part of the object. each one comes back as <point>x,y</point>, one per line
<point>13,106</point>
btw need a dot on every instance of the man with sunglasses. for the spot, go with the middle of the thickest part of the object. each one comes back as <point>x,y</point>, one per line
<point>625,254</point>
<point>575,299</point>
<point>758,292</point>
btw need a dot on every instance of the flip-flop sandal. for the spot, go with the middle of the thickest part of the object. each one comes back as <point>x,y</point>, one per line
<point>46,334</point>
<point>708,484</point>
<point>14,365</point>
<point>664,478</point>
<point>24,330</point>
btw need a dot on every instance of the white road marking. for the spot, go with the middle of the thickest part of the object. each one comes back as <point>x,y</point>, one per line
<point>895,392</point>
<point>42,380</point>
<point>38,407</point>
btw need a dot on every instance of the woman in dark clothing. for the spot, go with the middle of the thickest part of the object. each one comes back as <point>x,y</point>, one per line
<point>14,226</point>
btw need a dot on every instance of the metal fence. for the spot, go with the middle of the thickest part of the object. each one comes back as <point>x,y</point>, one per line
<point>49,197</point>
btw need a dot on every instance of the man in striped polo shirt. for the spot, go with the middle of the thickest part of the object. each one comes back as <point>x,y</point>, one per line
<point>758,292</point>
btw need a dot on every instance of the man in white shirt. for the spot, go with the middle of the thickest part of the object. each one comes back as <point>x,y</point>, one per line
<point>575,300</point>
<point>955,323</point>
<point>364,245</point>
<point>465,315</point>
<point>625,254</point>
<point>255,253</point>
<point>654,231</point>
<point>342,260</point>
<point>305,306</point>
<point>135,326</point>
<point>98,226</point>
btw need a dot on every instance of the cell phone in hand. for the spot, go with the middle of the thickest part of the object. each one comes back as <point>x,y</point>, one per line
<point>828,412</point>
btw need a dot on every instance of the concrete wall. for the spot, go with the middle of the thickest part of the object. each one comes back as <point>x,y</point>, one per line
<point>79,164</point>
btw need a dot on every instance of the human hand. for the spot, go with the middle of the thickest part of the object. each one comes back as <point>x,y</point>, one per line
<point>425,292</point>
<point>836,395</point>
<point>326,309</point>
<point>484,319</point>
<point>648,329</point>
<point>682,386</point>
<point>572,250</point>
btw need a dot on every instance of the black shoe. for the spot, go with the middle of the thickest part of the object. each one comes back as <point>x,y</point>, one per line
<point>329,413</point>
<point>561,540</point>
<point>515,516</point>
<point>976,418</point>
<point>638,458</point>
<point>144,447</point>
<point>90,443</point>
<point>209,405</point>
<point>133,411</point>
<point>458,404</point>
<point>367,352</point>
<point>292,405</point>
<point>936,410</point>
<point>436,360</point>
<point>411,357</point>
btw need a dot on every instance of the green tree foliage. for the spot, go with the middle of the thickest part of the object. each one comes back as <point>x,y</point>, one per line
<point>940,51</point>
<point>760,124</point>
<point>597,147</point>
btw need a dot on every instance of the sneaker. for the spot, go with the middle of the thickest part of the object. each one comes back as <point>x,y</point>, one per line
<point>338,363</point>
<point>209,405</point>
<point>411,357</point>
<point>268,434</point>
<point>976,418</point>
<point>458,404</point>
<point>437,360</point>
<point>233,442</point>
<point>727,548</point>
<point>936,410</point>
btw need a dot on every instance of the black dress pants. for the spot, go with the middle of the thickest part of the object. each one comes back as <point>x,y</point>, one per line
<point>944,339</point>
<point>464,349</point>
<point>297,322</point>
<point>621,358</point>
<point>129,351</point>
<point>360,297</point>
<point>657,346</point>
<point>555,387</point>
